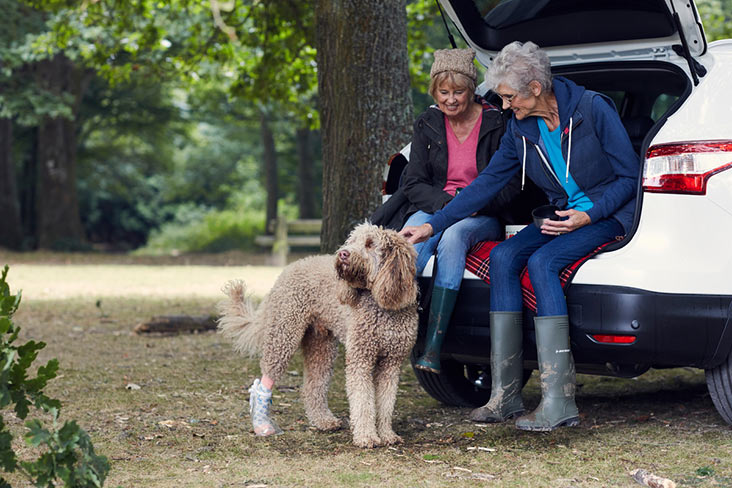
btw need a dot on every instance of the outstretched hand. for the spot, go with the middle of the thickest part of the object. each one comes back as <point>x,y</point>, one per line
<point>575,220</point>
<point>418,234</point>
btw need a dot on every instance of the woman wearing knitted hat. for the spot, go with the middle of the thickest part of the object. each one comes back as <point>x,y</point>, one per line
<point>571,143</point>
<point>453,142</point>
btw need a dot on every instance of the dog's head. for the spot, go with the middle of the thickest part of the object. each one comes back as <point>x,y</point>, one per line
<point>379,260</point>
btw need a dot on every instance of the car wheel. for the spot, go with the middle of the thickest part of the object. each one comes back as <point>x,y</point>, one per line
<point>719,384</point>
<point>458,384</point>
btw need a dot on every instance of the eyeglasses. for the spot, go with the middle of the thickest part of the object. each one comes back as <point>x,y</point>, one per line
<point>508,98</point>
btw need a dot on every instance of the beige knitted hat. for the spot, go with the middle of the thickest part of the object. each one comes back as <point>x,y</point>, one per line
<point>457,60</point>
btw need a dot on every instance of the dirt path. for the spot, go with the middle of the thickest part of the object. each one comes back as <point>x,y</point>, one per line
<point>64,281</point>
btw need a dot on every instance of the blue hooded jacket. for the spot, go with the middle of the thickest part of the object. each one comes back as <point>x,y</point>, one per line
<point>595,145</point>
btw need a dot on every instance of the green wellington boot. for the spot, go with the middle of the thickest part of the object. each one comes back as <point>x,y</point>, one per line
<point>507,369</point>
<point>443,303</point>
<point>557,407</point>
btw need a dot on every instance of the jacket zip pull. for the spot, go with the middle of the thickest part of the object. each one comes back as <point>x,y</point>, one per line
<point>523,166</point>
<point>569,151</point>
<point>548,166</point>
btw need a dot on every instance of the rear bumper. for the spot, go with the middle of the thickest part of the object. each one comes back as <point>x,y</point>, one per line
<point>670,330</point>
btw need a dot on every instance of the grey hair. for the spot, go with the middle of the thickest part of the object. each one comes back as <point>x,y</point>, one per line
<point>517,65</point>
<point>458,80</point>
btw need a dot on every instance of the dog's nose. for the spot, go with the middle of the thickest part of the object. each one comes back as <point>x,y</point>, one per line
<point>343,255</point>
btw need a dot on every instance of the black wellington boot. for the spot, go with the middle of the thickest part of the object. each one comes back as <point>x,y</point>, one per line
<point>443,303</point>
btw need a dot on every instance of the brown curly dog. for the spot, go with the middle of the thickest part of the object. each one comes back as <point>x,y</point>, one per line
<point>365,297</point>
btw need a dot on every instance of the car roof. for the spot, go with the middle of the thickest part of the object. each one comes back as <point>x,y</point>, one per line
<point>580,30</point>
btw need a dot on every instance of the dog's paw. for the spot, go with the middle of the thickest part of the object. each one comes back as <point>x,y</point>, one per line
<point>390,438</point>
<point>367,441</point>
<point>328,424</point>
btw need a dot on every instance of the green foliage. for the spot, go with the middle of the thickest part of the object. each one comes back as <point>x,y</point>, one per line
<point>20,96</point>
<point>67,452</point>
<point>716,16</point>
<point>197,230</point>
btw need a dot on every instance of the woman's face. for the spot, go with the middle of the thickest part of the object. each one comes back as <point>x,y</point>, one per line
<point>452,100</point>
<point>522,105</point>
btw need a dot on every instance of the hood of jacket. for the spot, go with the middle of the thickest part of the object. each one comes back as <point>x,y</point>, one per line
<point>568,96</point>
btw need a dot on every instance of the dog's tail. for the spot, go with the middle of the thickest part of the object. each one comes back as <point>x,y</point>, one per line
<point>237,319</point>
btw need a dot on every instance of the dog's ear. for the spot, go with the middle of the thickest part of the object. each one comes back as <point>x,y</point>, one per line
<point>395,286</point>
<point>346,294</point>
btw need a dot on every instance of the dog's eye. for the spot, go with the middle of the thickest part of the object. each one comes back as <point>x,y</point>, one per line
<point>369,243</point>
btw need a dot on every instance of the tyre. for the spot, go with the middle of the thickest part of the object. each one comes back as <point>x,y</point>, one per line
<point>458,384</point>
<point>719,384</point>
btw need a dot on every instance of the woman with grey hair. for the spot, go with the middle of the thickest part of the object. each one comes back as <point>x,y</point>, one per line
<point>571,143</point>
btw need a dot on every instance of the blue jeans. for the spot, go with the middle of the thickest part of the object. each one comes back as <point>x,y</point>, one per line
<point>452,245</point>
<point>545,256</point>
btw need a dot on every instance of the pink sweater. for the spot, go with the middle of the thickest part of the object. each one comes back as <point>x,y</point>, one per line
<point>461,164</point>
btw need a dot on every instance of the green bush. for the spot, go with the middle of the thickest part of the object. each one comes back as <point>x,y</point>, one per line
<point>67,452</point>
<point>216,231</point>
<point>198,230</point>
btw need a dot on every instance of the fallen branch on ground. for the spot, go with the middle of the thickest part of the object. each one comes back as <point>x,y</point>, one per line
<point>651,480</point>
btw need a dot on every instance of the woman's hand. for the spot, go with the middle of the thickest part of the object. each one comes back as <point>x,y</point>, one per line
<point>418,234</point>
<point>576,220</point>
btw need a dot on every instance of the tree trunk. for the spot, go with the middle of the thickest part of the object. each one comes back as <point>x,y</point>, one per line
<point>269,160</point>
<point>365,105</point>
<point>58,223</point>
<point>11,227</point>
<point>305,170</point>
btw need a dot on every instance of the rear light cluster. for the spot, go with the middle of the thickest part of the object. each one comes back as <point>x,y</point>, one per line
<point>685,168</point>
<point>614,339</point>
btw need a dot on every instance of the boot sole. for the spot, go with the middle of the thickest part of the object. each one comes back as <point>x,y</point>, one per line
<point>493,420</point>
<point>571,422</point>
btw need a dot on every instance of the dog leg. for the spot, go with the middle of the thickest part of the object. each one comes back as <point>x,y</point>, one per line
<point>360,390</point>
<point>278,346</point>
<point>386,379</point>
<point>320,349</point>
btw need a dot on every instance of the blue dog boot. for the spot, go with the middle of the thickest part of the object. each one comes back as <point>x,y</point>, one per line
<point>260,400</point>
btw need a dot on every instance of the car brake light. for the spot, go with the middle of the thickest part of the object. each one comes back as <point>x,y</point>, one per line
<point>614,339</point>
<point>685,167</point>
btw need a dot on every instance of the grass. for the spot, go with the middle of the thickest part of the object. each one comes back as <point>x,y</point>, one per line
<point>185,426</point>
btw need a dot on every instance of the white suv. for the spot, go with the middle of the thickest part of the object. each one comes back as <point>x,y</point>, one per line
<point>662,297</point>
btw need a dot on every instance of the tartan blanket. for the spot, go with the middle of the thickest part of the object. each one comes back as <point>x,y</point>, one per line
<point>478,262</point>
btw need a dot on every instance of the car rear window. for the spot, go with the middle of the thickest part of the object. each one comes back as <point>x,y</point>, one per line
<point>494,23</point>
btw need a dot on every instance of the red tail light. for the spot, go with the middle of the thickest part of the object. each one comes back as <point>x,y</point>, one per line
<point>685,167</point>
<point>614,339</point>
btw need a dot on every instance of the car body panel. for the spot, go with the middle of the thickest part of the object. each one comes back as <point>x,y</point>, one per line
<point>708,102</point>
<point>671,249</point>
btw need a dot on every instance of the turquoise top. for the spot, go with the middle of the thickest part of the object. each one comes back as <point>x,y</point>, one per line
<point>553,143</point>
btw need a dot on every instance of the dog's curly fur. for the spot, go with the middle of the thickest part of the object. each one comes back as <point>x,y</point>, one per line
<point>374,316</point>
